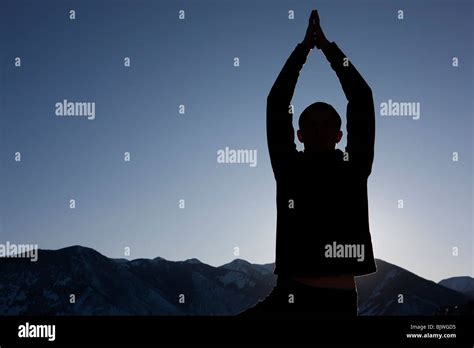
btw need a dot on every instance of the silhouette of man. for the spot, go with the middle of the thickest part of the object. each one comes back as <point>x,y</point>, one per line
<point>323,237</point>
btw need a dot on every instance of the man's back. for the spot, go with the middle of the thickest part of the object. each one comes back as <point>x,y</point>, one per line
<point>321,208</point>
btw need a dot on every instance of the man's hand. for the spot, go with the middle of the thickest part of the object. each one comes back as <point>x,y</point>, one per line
<point>319,37</point>
<point>310,37</point>
<point>314,34</point>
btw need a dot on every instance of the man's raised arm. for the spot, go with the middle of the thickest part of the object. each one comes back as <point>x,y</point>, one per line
<point>360,107</point>
<point>280,131</point>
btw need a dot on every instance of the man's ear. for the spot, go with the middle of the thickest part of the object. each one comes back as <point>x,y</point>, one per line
<point>339,136</point>
<point>299,133</point>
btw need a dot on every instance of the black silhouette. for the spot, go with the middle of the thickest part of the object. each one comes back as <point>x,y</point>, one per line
<point>321,192</point>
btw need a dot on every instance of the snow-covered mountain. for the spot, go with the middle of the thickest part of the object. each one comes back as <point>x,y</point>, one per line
<point>80,281</point>
<point>104,286</point>
<point>393,290</point>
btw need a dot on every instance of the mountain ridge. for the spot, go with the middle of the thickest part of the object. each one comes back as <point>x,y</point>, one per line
<point>106,286</point>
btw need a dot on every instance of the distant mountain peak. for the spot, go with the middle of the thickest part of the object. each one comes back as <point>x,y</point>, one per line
<point>240,265</point>
<point>76,249</point>
<point>237,265</point>
<point>193,261</point>
<point>462,284</point>
<point>379,293</point>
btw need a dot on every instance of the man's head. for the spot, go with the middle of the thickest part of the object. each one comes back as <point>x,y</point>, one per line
<point>320,127</point>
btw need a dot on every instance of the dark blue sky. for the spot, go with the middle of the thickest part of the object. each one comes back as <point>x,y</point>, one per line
<point>135,204</point>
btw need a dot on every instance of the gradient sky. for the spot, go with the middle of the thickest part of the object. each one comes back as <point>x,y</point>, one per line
<point>173,156</point>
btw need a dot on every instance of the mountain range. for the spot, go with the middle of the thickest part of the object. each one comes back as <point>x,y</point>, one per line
<point>80,281</point>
